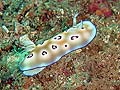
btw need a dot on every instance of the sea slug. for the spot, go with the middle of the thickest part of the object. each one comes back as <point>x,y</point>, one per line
<point>76,37</point>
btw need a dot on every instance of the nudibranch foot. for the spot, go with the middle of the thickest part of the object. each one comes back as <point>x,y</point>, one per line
<point>33,71</point>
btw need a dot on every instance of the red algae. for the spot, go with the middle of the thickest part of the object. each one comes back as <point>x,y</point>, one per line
<point>46,15</point>
<point>59,0</point>
<point>1,6</point>
<point>107,12</point>
<point>28,83</point>
<point>100,8</point>
<point>93,7</point>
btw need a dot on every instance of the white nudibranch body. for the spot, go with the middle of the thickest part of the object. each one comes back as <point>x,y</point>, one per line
<point>78,36</point>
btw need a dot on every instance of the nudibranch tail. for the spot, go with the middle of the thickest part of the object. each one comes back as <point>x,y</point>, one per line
<point>53,49</point>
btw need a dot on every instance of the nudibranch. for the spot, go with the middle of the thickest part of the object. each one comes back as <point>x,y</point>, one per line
<point>43,55</point>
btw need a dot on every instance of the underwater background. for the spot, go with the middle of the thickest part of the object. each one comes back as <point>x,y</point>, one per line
<point>94,67</point>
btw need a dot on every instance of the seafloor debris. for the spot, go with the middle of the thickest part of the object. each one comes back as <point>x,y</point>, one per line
<point>5,29</point>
